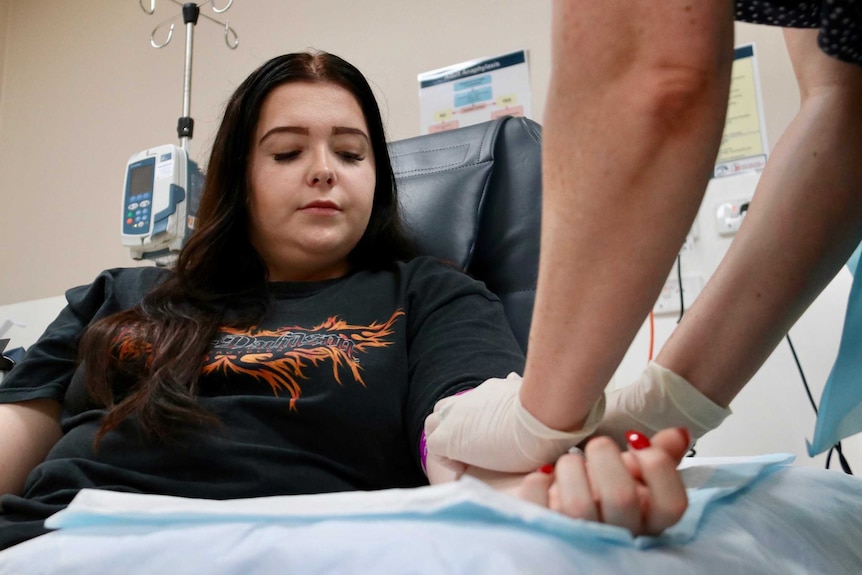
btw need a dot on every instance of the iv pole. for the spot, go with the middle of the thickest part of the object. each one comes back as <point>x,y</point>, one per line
<point>191,11</point>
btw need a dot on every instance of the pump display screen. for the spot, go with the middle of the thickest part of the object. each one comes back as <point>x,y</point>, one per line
<point>138,197</point>
<point>141,179</point>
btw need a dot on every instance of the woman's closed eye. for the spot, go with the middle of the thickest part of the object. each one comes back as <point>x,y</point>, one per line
<point>351,157</point>
<point>285,156</point>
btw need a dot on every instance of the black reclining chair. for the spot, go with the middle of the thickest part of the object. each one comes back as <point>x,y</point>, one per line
<point>472,197</point>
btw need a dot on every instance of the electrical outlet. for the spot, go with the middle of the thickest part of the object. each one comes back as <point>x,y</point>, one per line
<point>668,299</point>
<point>729,216</point>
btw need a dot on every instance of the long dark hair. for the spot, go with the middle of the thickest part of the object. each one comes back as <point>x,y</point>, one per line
<point>145,361</point>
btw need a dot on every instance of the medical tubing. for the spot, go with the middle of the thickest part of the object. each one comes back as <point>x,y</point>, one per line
<point>845,465</point>
<point>801,374</point>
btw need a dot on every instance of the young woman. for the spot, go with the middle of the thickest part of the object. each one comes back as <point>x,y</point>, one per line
<point>297,347</point>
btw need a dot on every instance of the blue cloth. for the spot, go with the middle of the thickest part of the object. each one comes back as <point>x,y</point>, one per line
<point>747,515</point>
<point>469,500</point>
<point>840,413</point>
<point>853,262</point>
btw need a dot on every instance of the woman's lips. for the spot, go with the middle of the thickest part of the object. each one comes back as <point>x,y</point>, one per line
<point>321,208</point>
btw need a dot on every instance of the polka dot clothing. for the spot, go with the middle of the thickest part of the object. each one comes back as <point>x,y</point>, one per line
<point>839,21</point>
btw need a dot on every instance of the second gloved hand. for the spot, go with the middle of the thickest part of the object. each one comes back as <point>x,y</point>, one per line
<point>489,428</point>
<point>659,398</point>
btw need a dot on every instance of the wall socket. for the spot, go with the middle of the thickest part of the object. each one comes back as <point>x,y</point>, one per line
<point>668,299</point>
<point>729,216</point>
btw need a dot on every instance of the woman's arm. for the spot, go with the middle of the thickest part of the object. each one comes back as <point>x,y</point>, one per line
<point>639,489</point>
<point>29,430</point>
<point>29,417</point>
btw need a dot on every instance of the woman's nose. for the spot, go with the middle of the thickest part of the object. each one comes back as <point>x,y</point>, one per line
<point>321,173</point>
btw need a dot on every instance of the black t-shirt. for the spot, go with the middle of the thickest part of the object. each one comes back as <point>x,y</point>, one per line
<point>328,393</point>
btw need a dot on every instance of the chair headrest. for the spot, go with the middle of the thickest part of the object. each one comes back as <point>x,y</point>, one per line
<point>472,197</point>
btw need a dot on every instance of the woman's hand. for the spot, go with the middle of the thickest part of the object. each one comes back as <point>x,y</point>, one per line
<point>639,489</point>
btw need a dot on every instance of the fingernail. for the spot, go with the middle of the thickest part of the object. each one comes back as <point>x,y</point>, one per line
<point>637,440</point>
<point>548,468</point>
<point>685,434</point>
<point>575,450</point>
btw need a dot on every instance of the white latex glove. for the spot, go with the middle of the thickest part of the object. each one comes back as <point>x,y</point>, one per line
<point>659,398</point>
<point>489,428</point>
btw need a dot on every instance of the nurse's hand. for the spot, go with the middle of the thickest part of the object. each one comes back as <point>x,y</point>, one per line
<point>489,427</point>
<point>639,489</point>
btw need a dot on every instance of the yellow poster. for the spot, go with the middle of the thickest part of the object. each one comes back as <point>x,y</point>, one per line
<point>743,143</point>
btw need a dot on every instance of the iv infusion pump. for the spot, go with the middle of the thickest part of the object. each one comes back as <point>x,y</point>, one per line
<point>160,198</point>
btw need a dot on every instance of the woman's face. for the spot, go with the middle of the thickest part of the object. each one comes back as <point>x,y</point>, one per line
<point>312,178</point>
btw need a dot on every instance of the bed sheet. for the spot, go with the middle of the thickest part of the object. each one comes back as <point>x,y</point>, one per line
<point>747,515</point>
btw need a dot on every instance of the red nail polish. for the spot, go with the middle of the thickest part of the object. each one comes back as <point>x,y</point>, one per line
<point>637,440</point>
<point>549,468</point>
<point>685,434</point>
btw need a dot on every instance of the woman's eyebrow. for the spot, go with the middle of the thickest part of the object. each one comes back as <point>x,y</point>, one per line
<point>283,129</point>
<point>337,130</point>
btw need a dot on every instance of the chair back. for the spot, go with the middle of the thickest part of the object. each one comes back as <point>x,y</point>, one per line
<point>472,197</point>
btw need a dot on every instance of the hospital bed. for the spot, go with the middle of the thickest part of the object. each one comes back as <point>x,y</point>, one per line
<point>472,197</point>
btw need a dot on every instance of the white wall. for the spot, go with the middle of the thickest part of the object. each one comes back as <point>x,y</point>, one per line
<point>81,90</point>
<point>4,11</point>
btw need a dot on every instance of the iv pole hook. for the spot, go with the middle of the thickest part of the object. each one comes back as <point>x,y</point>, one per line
<point>152,8</point>
<point>167,41</point>
<point>220,10</point>
<point>230,37</point>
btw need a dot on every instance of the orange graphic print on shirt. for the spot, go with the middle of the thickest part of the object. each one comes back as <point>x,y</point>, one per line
<point>279,357</point>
